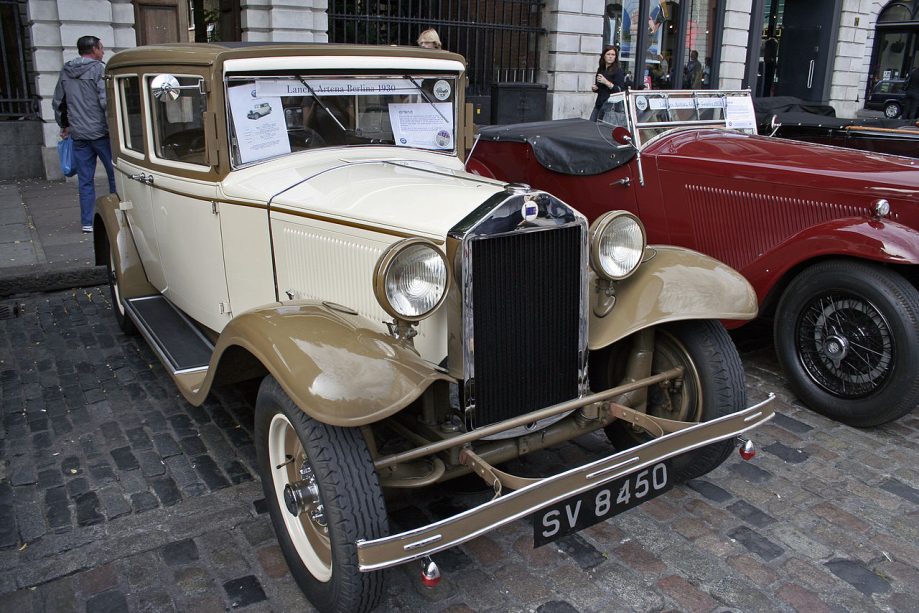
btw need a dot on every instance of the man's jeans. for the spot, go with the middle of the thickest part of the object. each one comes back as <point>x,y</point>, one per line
<point>84,154</point>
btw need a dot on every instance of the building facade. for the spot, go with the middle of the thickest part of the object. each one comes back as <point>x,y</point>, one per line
<point>824,50</point>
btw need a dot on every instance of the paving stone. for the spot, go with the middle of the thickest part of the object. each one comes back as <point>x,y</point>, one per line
<point>709,490</point>
<point>182,552</point>
<point>756,543</point>
<point>786,453</point>
<point>125,459</point>
<point>108,602</point>
<point>750,514</point>
<point>582,552</point>
<point>758,572</point>
<point>690,598</point>
<point>521,583</point>
<point>802,600</point>
<point>902,490</point>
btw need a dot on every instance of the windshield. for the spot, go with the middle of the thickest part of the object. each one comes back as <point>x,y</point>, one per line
<point>649,113</point>
<point>276,115</point>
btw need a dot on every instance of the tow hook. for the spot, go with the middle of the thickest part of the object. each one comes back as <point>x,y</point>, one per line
<point>746,448</point>
<point>430,574</point>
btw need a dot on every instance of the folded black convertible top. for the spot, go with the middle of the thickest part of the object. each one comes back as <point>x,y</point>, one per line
<point>568,146</point>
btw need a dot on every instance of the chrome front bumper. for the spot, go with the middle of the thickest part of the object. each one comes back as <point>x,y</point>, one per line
<point>413,544</point>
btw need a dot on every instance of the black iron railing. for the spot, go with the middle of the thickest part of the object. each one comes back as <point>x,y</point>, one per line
<point>500,39</point>
<point>15,99</point>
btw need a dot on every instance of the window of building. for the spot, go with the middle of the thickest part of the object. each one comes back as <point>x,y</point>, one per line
<point>679,41</point>
<point>896,42</point>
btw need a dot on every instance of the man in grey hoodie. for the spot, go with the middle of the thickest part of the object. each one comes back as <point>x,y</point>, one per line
<point>79,109</point>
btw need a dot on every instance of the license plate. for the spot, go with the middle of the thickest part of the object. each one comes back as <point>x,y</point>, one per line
<point>600,503</point>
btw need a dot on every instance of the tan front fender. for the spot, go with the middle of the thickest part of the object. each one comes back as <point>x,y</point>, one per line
<point>339,368</point>
<point>675,284</point>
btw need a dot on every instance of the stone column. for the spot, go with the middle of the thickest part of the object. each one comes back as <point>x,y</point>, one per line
<point>55,26</point>
<point>573,45</point>
<point>734,43</point>
<point>285,20</point>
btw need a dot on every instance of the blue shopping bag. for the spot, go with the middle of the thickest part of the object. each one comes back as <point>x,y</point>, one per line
<point>65,152</point>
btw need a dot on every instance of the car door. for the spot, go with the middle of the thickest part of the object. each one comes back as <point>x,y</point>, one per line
<point>132,167</point>
<point>184,204</point>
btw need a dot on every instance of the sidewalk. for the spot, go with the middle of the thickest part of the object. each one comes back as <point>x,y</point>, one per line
<point>42,246</point>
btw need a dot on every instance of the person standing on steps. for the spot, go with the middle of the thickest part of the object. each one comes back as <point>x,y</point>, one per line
<point>80,111</point>
<point>609,79</point>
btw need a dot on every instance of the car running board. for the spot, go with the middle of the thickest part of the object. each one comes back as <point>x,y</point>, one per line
<point>179,344</point>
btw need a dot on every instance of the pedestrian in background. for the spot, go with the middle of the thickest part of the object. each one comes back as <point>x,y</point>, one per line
<point>80,111</point>
<point>693,72</point>
<point>429,39</point>
<point>609,80</point>
<point>910,89</point>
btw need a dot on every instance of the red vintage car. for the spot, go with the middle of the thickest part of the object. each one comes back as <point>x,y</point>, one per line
<point>828,237</point>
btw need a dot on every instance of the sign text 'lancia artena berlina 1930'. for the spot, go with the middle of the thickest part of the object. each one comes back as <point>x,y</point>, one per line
<point>300,215</point>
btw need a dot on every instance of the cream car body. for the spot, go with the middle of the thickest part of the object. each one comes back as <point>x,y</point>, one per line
<point>409,322</point>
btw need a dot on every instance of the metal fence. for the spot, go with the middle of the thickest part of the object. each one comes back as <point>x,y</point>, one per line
<point>500,39</point>
<point>15,99</point>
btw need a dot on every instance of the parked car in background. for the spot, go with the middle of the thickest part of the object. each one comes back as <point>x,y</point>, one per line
<point>887,96</point>
<point>788,117</point>
<point>409,322</point>
<point>829,237</point>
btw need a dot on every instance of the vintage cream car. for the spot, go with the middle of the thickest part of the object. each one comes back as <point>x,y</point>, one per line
<point>409,322</point>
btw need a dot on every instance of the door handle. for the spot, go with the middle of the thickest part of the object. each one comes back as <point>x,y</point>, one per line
<point>148,179</point>
<point>810,75</point>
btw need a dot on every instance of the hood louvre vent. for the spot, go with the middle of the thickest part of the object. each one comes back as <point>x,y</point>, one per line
<point>737,227</point>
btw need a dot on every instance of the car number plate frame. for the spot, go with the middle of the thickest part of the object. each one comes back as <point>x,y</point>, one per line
<point>583,510</point>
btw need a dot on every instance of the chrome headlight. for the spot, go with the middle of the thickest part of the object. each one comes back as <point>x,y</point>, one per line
<point>410,280</point>
<point>617,245</point>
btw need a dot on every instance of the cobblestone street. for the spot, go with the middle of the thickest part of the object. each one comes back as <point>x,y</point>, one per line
<point>118,495</point>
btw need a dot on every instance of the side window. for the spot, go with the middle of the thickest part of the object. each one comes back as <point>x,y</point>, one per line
<point>132,121</point>
<point>178,125</point>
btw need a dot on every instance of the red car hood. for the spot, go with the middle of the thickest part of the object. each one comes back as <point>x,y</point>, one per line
<point>775,160</point>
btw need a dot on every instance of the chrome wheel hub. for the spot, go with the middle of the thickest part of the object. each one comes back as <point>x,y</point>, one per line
<point>836,348</point>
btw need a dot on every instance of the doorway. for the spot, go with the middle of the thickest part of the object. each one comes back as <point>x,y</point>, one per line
<point>797,48</point>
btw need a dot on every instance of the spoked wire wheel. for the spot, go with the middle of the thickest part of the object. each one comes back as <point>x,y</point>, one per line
<point>847,338</point>
<point>845,344</point>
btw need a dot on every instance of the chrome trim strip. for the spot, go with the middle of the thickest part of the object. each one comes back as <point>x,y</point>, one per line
<point>426,540</point>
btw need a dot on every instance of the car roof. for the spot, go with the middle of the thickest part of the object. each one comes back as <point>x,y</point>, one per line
<point>213,54</point>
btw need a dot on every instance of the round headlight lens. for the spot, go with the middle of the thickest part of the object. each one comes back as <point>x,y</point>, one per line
<point>411,279</point>
<point>617,245</point>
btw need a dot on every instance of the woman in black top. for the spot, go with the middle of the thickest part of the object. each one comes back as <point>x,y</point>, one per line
<point>610,79</point>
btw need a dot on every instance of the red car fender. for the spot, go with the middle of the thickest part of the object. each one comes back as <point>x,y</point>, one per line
<point>871,239</point>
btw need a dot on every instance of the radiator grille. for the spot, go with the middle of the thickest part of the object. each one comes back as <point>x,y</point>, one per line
<point>526,305</point>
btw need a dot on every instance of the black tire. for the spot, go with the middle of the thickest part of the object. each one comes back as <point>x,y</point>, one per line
<point>892,110</point>
<point>124,321</point>
<point>334,468</point>
<point>847,339</point>
<point>713,386</point>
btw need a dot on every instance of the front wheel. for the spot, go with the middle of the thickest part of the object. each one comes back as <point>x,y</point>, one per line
<point>847,339</point>
<point>892,110</point>
<point>713,385</point>
<point>323,495</point>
